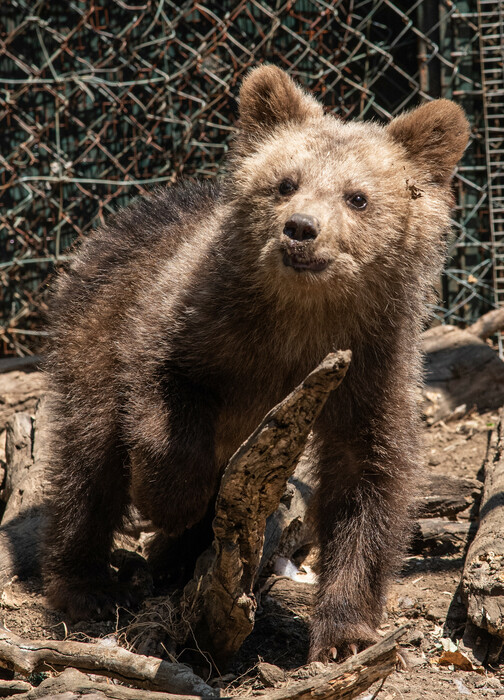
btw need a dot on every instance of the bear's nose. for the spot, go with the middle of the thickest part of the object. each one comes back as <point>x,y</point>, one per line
<point>302,227</point>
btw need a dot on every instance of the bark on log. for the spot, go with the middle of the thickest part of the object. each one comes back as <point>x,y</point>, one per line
<point>24,492</point>
<point>488,324</point>
<point>441,536</point>
<point>483,574</point>
<point>20,391</point>
<point>288,529</point>
<point>74,684</point>
<point>348,679</point>
<point>250,491</point>
<point>460,369</point>
<point>283,597</point>
<point>9,689</point>
<point>28,656</point>
<point>448,495</point>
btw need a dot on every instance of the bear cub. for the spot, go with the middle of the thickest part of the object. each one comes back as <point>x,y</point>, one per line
<point>191,313</point>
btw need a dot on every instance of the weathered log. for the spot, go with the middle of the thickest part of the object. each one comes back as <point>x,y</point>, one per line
<point>439,536</point>
<point>348,679</point>
<point>25,458</point>
<point>460,370</point>
<point>10,688</point>
<point>20,391</point>
<point>287,529</point>
<point>487,325</point>
<point>483,574</point>
<point>28,656</point>
<point>24,492</point>
<point>250,491</point>
<point>74,684</point>
<point>479,647</point>
<point>281,595</point>
<point>445,496</point>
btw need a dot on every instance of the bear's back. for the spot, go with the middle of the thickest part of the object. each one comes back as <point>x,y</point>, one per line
<point>114,267</point>
<point>136,239</point>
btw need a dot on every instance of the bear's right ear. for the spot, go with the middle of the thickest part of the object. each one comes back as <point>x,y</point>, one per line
<point>434,137</point>
<point>269,98</point>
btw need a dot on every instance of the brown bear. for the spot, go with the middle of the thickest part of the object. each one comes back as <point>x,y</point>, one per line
<point>181,322</point>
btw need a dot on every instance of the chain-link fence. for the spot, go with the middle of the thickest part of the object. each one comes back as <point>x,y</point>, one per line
<point>99,101</point>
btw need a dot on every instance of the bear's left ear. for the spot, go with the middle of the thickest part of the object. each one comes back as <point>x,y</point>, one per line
<point>434,136</point>
<point>269,98</point>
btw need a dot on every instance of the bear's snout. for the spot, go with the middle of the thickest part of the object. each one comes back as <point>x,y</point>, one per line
<point>298,245</point>
<point>302,227</point>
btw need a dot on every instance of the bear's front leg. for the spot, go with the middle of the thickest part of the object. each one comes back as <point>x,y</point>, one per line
<point>174,471</point>
<point>362,519</point>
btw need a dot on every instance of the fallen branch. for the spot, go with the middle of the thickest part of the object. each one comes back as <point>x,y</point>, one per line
<point>487,325</point>
<point>20,391</point>
<point>251,489</point>
<point>24,492</point>
<point>460,370</point>
<point>448,495</point>
<point>287,529</point>
<point>439,536</point>
<point>10,688</point>
<point>483,575</point>
<point>348,679</point>
<point>29,656</point>
<point>73,681</point>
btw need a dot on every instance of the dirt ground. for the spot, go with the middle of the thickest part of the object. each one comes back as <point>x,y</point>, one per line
<point>424,596</point>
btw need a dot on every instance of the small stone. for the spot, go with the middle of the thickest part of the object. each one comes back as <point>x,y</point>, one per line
<point>270,675</point>
<point>413,637</point>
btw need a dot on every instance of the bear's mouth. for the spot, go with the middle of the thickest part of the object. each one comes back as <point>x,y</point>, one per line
<point>302,262</point>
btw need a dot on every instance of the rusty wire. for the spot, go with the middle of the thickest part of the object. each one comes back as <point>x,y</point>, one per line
<point>99,101</point>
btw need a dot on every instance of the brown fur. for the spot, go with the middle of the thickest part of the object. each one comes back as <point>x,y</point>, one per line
<point>180,324</point>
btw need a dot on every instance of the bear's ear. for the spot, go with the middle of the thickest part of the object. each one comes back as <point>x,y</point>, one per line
<point>269,98</point>
<point>434,136</point>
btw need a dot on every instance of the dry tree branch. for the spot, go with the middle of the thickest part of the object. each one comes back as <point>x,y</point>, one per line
<point>28,656</point>
<point>348,679</point>
<point>250,491</point>
<point>80,685</point>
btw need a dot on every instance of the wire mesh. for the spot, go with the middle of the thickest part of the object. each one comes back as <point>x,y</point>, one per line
<point>99,101</point>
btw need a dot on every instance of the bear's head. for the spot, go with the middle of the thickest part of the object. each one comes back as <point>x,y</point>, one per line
<point>324,204</point>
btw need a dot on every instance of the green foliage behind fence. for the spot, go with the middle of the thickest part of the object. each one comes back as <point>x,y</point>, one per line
<point>101,101</point>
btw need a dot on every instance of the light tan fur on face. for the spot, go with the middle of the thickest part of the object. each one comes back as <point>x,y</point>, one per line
<point>329,160</point>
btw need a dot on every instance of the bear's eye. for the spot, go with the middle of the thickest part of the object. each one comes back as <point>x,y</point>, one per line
<point>357,200</point>
<point>287,186</point>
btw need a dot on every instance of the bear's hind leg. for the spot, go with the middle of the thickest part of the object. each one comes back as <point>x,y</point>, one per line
<point>89,485</point>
